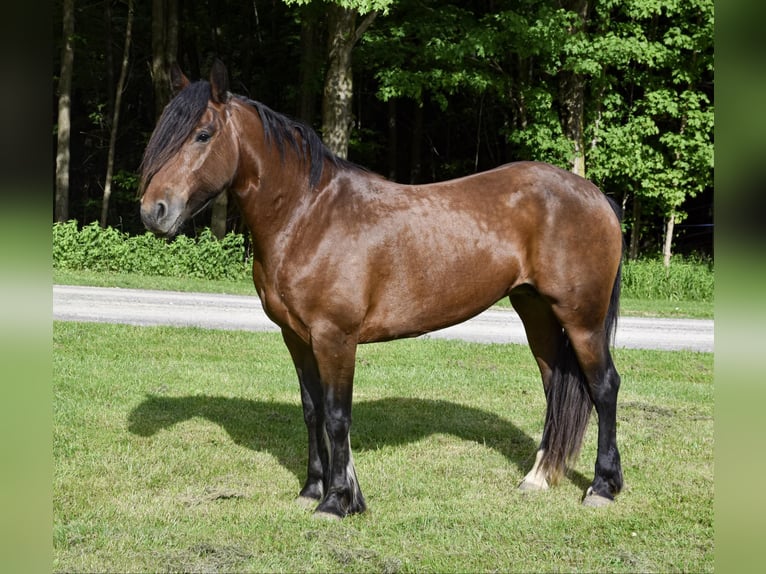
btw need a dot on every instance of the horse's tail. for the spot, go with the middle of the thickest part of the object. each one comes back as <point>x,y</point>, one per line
<point>568,396</point>
<point>613,312</point>
<point>566,419</point>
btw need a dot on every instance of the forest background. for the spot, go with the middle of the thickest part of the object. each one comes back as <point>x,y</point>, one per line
<point>419,91</point>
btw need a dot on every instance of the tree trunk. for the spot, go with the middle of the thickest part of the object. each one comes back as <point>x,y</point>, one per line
<point>572,92</point>
<point>219,215</point>
<point>164,49</point>
<point>61,207</point>
<point>116,117</point>
<point>573,96</point>
<point>310,64</point>
<point>392,133</point>
<point>337,117</point>
<point>478,135</point>
<point>670,223</point>
<point>635,232</point>
<point>109,56</point>
<point>417,143</point>
<point>667,246</point>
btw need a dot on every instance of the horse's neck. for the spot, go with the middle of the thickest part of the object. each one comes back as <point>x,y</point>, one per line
<point>270,193</point>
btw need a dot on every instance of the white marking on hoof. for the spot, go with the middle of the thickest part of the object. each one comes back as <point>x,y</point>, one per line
<point>531,486</point>
<point>535,479</point>
<point>326,516</point>
<point>593,500</point>
<point>306,502</point>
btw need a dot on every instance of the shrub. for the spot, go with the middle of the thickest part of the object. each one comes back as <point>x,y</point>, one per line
<point>97,249</point>
<point>107,249</point>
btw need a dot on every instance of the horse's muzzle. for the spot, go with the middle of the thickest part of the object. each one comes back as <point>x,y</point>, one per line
<point>161,216</point>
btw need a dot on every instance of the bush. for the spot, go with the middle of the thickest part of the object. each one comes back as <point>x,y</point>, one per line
<point>684,280</point>
<point>95,248</point>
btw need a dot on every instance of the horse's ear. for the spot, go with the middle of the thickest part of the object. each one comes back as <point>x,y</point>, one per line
<point>178,80</point>
<point>219,82</point>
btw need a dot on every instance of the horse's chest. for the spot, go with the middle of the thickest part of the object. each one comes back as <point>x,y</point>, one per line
<point>276,307</point>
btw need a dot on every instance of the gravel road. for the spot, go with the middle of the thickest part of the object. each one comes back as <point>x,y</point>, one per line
<point>237,312</point>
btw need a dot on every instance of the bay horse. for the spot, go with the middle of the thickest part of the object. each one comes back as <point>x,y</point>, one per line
<point>342,256</point>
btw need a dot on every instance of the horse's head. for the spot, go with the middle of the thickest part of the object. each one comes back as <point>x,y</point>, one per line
<point>192,155</point>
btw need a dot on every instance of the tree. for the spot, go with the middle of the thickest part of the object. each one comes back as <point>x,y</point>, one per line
<point>343,33</point>
<point>619,89</point>
<point>64,122</point>
<point>653,133</point>
<point>116,115</point>
<point>620,92</point>
<point>311,59</point>
<point>425,55</point>
<point>164,49</point>
<point>572,89</point>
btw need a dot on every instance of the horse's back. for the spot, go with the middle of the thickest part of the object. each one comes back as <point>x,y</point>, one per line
<point>388,261</point>
<point>430,256</point>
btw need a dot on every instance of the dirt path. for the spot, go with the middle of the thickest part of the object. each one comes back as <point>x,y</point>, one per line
<point>238,312</point>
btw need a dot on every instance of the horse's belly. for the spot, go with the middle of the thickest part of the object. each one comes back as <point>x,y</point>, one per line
<point>438,279</point>
<point>408,314</point>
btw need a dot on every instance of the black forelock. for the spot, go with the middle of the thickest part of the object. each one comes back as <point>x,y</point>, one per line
<point>177,121</point>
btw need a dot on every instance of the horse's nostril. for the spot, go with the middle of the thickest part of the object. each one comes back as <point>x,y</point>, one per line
<point>157,215</point>
<point>161,210</point>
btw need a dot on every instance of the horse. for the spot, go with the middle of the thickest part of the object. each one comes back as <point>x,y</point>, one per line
<point>343,256</point>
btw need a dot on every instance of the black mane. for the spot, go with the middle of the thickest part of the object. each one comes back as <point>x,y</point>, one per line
<point>282,130</point>
<point>184,111</point>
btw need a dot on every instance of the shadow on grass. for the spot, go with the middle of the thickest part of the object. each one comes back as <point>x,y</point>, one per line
<point>278,428</point>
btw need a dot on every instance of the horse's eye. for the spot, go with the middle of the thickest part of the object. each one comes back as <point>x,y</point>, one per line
<point>202,137</point>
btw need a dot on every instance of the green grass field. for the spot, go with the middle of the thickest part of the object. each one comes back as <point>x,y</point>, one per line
<point>182,450</point>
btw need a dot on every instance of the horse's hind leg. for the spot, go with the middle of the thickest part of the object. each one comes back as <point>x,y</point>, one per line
<point>545,337</point>
<point>595,359</point>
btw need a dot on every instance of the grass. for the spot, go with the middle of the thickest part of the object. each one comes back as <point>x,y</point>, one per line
<point>683,279</point>
<point>138,281</point>
<point>630,306</point>
<point>181,449</point>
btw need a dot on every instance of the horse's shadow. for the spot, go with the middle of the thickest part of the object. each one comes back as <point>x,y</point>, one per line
<point>278,428</point>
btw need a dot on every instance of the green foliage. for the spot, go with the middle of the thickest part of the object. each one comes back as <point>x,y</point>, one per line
<point>651,122</point>
<point>107,249</point>
<point>491,82</point>
<point>646,67</point>
<point>362,6</point>
<point>684,280</point>
<point>421,53</point>
<point>93,248</point>
<point>127,181</point>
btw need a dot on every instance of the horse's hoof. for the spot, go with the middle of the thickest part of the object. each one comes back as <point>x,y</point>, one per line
<point>593,500</point>
<point>326,516</point>
<point>306,502</point>
<point>533,485</point>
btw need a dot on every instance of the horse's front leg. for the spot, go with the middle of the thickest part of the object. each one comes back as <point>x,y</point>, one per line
<point>335,352</point>
<point>313,414</point>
